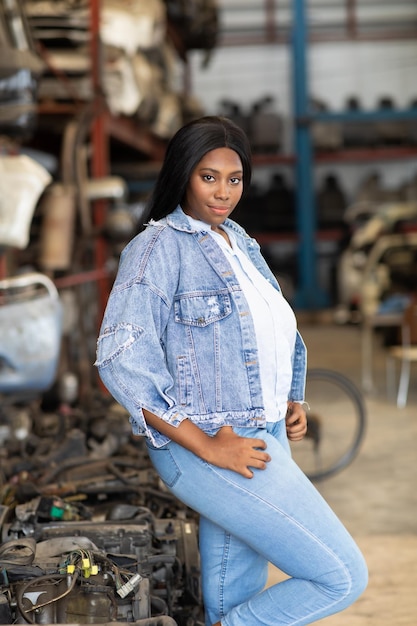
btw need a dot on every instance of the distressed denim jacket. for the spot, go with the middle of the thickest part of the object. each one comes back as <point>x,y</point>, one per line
<point>177,337</point>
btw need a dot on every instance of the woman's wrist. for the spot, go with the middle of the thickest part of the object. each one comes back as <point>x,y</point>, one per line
<point>185,434</point>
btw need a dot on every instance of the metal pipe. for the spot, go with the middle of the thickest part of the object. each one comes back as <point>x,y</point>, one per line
<point>308,293</point>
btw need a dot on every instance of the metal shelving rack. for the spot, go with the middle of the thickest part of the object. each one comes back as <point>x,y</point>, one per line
<point>105,126</point>
<point>309,293</point>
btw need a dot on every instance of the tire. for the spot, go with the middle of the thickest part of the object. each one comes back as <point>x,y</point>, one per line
<point>336,424</point>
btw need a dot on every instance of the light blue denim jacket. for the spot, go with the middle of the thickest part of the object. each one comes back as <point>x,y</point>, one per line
<point>177,337</point>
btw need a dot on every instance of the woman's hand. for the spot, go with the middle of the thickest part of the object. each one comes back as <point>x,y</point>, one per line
<point>296,421</point>
<point>225,449</point>
<point>230,451</point>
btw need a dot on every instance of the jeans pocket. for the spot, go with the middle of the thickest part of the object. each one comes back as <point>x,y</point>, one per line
<point>165,464</point>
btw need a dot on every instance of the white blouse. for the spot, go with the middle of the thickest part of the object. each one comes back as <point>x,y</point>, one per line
<point>274,321</point>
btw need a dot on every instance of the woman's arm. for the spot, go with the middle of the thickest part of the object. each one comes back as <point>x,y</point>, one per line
<point>225,449</point>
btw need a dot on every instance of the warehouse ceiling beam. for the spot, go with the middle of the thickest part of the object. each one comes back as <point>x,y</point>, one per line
<point>271,22</point>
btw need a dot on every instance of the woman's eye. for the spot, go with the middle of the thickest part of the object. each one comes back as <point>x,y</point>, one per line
<point>235,181</point>
<point>208,177</point>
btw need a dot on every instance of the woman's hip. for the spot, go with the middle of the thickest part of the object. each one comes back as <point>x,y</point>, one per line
<point>276,504</point>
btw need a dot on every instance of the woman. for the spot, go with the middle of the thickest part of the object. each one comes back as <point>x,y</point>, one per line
<point>201,348</point>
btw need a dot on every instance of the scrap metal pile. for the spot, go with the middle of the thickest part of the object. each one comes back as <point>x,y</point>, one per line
<point>88,532</point>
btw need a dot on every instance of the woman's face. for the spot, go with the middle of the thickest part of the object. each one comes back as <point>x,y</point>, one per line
<point>215,187</point>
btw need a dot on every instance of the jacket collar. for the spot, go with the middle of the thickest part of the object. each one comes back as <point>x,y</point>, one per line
<point>178,220</point>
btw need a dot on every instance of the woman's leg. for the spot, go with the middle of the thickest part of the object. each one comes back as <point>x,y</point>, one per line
<point>227,563</point>
<point>279,515</point>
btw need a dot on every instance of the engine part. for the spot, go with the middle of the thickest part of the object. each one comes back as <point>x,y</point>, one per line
<point>265,127</point>
<point>390,132</point>
<point>22,182</point>
<point>143,570</point>
<point>331,203</point>
<point>57,234</point>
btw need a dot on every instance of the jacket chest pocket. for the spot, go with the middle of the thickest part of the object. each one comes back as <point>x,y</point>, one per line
<point>202,309</point>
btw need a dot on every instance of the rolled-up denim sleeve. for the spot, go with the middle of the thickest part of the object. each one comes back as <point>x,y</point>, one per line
<point>130,356</point>
<point>298,383</point>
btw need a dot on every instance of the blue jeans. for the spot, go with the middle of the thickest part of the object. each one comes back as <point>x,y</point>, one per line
<point>277,516</point>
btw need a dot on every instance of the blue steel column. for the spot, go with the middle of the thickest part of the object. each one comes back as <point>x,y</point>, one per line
<point>308,294</point>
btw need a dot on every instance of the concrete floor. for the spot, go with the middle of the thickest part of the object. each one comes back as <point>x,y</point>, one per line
<point>375,497</point>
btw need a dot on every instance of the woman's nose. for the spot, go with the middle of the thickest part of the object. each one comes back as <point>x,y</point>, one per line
<point>222,190</point>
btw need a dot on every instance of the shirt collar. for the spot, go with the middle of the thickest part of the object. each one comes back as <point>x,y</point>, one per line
<point>198,225</point>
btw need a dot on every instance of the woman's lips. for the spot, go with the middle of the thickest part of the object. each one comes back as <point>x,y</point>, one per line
<point>220,209</point>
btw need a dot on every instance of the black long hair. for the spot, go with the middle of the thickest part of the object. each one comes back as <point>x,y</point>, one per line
<point>184,151</point>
